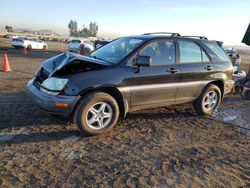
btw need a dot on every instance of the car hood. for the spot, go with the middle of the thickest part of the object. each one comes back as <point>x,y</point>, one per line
<point>51,66</point>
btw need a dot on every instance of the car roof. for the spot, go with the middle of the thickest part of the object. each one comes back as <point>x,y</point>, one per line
<point>162,36</point>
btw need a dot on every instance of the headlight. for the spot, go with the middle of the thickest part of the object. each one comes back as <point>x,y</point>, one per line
<point>54,84</point>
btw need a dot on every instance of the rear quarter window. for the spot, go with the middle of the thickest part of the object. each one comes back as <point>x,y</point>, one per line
<point>217,50</point>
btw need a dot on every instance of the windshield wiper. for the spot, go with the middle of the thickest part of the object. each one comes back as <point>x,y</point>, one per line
<point>95,57</point>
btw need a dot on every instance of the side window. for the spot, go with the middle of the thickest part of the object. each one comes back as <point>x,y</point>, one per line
<point>189,52</point>
<point>204,57</point>
<point>161,52</point>
<point>219,52</point>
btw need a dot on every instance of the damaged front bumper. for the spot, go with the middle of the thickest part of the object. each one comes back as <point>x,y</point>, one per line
<point>49,103</point>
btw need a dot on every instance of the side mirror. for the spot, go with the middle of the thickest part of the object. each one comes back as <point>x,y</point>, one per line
<point>144,61</point>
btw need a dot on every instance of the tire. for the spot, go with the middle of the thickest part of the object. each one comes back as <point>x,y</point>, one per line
<point>29,47</point>
<point>89,110</point>
<point>208,101</point>
<point>44,48</point>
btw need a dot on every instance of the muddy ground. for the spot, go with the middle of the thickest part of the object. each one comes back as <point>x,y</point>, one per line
<point>163,147</point>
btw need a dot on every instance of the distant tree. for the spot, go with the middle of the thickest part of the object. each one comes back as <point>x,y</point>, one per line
<point>85,32</point>
<point>73,28</point>
<point>9,28</point>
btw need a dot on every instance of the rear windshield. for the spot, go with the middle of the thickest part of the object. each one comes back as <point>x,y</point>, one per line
<point>75,41</point>
<point>217,50</point>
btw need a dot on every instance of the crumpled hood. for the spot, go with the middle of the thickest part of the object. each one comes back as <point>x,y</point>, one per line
<point>49,67</point>
<point>57,62</point>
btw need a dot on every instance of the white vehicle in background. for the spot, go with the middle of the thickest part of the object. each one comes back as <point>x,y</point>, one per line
<point>29,43</point>
<point>77,44</point>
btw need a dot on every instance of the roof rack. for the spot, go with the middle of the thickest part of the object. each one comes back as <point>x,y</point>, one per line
<point>199,37</point>
<point>165,33</point>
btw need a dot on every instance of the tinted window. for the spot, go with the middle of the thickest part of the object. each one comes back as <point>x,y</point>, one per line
<point>161,52</point>
<point>204,57</point>
<point>219,52</point>
<point>189,52</point>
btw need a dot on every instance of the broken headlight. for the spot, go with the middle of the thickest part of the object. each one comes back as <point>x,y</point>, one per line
<point>54,84</point>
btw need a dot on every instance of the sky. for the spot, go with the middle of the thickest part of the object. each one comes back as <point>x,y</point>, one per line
<point>218,20</point>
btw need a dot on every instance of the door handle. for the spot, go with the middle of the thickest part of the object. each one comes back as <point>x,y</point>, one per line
<point>209,67</point>
<point>172,70</point>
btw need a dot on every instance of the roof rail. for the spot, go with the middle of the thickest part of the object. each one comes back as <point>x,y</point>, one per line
<point>199,37</point>
<point>165,33</point>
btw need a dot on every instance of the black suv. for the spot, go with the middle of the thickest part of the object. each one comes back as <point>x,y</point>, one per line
<point>132,73</point>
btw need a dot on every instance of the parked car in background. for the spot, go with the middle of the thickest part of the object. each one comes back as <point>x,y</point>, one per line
<point>133,73</point>
<point>100,43</point>
<point>7,36</point>
<point>10,36</point>
<point>77,44</point>
<point>235,59</point>
<point>233,54</point>
<point>29,43</point>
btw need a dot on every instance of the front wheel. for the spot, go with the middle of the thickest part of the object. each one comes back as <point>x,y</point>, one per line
<point>96,114</point>
<point>208,101</point>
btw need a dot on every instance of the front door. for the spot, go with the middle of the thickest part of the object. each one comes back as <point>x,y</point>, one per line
<point>156,85</point>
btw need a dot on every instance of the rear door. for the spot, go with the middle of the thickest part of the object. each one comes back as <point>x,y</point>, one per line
<point>156,85</point>
<point>39,44</point>
<point>34,43</point>
<point>195,70</point>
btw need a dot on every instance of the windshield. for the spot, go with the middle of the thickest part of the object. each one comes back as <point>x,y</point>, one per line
<point>115,51</point>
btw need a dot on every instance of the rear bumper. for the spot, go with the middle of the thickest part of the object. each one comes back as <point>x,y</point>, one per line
<point>228,86</point>
<point>48,102</point>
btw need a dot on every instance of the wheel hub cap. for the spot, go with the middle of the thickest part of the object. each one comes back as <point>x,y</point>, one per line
<point>99,115</point>
<point>211,100</point>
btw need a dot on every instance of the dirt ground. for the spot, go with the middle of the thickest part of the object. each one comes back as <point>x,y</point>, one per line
<point>162,147</point>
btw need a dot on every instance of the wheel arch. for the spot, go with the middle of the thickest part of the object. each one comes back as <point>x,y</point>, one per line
<point>114,92</point>
<point>220,84</point>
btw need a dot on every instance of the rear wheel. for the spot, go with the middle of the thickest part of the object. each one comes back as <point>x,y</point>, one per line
<point>96,114</point>
<point>208,101</point>
<point>29,47</point>
<point>44,48</point>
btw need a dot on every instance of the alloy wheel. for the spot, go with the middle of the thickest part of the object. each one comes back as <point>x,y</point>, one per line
<point>99,115</point>
<point>211,100</point>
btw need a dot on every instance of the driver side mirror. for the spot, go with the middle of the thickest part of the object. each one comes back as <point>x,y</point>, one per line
<point>144,61</point>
